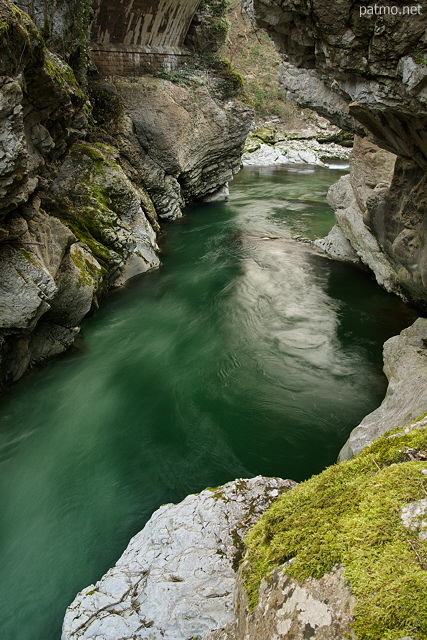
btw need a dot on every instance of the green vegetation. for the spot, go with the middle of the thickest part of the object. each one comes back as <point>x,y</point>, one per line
<point>88,272</point>
<point>217,73</point>
<point>86,209</point>
<point>20,39</point>
<point>212,25</point>
<point>81,57</point>
<point>215,7</point>
<point>62,73</point>
<point>108,107</point>
<point>350,514</point>
<point>253,54</point>
<point>420,58</point>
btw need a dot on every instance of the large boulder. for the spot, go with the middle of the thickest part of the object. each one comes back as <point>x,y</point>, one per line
<point>342,554</point>
<point>176,578</point>
<point>183,139</point>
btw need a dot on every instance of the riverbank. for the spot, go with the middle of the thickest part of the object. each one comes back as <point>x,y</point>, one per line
<point>315,143</point>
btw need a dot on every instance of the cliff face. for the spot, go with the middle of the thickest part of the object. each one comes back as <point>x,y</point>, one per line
<point>367,74</point>
<point>80,198</point>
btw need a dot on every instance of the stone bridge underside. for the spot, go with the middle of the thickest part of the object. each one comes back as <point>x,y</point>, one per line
<point>138,36</point>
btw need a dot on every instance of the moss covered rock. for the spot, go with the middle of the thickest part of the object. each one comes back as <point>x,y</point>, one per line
<point>42,108</point>
<point>105,211</point>
<point>351,516</point>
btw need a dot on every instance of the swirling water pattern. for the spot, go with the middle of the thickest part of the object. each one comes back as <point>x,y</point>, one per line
<point>246,353</point>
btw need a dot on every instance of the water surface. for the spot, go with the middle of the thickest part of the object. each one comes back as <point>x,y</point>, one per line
<point>244,354</point>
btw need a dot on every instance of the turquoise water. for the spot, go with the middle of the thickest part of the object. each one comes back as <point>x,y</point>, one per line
<point>244,354</point>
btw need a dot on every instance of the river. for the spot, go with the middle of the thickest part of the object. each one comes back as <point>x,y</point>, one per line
<point>245,354</point>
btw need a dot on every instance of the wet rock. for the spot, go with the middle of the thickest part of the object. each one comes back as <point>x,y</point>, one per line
<point>379,209</point>
<point>405,365</point>
<point>177,575</point>
<point>107,213</point>
<point>77,282</point>
<point>338,247</point>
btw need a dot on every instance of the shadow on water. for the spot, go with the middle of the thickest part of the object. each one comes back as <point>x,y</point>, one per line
<point>246,353</point>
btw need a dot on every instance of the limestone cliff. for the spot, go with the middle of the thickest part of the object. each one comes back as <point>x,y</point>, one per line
<point>366,73</point>
<point>80,194</point>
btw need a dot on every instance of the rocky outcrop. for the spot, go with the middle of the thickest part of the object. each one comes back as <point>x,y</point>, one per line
<point>176,577</point>
<point>371,171</point>
<point>405,365</point>
<point>364,69</point>
<point>79,210</point>
<point>42,108</point>
<point>43,112</point>
<point>380,209</point>
<point>271,145</point>
<point>71,222</point>
<point>183,140</point>
<point>314,609</point>
<point>340,555</point>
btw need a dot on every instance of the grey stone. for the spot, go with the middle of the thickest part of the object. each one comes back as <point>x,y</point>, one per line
<point>336,245</point>
<point>414,517</point>
<point>320,609</point>
<point>91,180</point>
<point>176,577</point>
<point>26,288</point>
<point>77,281</point>
<point>293,151</point>
<point>184,140</point>
<point>405,365</point>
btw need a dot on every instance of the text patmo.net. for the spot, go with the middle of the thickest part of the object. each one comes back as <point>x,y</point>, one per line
<point>390,10</point>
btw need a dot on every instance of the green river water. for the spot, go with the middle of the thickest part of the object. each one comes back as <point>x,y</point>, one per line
<point>244,354</point>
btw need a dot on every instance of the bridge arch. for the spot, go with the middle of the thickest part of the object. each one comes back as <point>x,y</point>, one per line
<point>139,36</point>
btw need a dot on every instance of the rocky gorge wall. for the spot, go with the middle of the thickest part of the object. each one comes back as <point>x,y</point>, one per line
<point>367,74</point>
<point>83,183</point>
<point>344,553</point>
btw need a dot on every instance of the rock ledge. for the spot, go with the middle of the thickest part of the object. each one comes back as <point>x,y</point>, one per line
<point>176,578</point>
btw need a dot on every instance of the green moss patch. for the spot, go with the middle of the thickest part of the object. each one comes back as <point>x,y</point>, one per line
<point>61,73</point>
<point>86,206</point>
<point>350,514</point>
<point>20,41</point>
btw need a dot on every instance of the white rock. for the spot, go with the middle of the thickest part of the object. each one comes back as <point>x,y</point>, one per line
<point>413,517</point>
<point>176,578</point>
<point>294,151</point>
